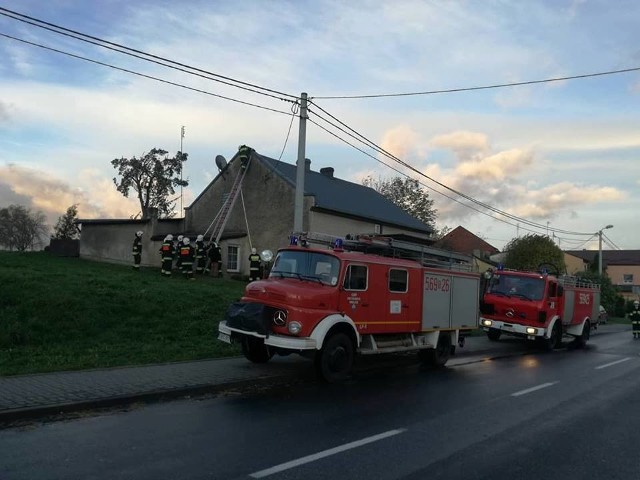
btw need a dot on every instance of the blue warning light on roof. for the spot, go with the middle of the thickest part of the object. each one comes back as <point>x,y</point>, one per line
<point>337,244</point>
<point>500,267</point>
<point>293,240</point>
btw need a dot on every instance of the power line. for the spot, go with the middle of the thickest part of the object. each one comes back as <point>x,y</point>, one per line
<point>484,87</point>
<point>150,77</point>
<point>371,144</point>
<point>611,243</point>
<point>141,55</point>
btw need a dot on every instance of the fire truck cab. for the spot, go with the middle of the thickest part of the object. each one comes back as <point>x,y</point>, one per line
<point>331,304</point>
<point>539,306</point>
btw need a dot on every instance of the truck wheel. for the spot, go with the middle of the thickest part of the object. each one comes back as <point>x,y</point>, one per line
<point>494,334</point>
<point>335,360</point>
<point>255,350</point>
<point>437,357</point>
<point>555,340</point>
<point>582,340</point>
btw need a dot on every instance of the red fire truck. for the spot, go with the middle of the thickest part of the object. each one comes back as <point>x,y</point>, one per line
<point>539,306</point>
<point>330,304</point>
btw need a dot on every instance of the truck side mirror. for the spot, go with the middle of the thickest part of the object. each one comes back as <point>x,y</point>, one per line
<point>560,290</point>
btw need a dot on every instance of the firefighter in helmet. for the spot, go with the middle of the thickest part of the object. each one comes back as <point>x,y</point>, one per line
<point>137,250</point>
<point>254,265</point>
<point>201,254</point>
<point>186,258</point>
<point>244,153</point>
<point>167,251</point>
<point>634,316</point>
<point>177,248</point>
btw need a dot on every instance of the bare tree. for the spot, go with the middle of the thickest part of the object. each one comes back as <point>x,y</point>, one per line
<point>21,229</point>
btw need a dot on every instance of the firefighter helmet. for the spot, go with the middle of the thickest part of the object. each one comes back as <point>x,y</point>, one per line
<point>180,237</point>
<point>168,238</point>
<point>200,238</point>
<point>186,240</point>
<point>636,302</point>
<point>253,251</point>
<point>139,233</point>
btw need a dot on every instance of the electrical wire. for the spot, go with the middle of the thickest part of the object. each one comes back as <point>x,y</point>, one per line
<point>294,112</point>
<point>150,77</point>
<point>380,150</point>
<point>484,87</point>
<point>126,50</point>
<point>610,242</point>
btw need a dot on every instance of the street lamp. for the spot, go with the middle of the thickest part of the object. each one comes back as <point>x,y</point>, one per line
<point>600,249</point>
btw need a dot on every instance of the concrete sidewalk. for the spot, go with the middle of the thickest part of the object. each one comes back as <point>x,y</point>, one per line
<point>29,396</point>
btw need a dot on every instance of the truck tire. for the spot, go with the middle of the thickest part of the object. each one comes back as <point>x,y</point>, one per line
<point>437,357</point>
<point>494,334</point>
<point>255,350</point>
<point>555,340</point>
<point>334,361</point>
<point>582,340</point>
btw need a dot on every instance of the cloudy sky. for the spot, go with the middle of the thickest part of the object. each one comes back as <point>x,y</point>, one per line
<point>562,155</point>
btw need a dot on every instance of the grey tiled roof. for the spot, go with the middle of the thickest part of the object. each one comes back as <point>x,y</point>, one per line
<point>345,197</point>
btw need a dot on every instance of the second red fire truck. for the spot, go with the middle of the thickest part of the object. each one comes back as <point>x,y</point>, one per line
<point>331,304</point>
<point>539,306</point>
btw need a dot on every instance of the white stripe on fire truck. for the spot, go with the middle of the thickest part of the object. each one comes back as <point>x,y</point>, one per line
<point>325,453</point>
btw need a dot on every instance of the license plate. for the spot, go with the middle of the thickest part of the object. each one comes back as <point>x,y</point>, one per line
<point>224,337</point>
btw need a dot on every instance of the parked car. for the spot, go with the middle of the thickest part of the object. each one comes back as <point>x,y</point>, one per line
<point>603,316</point>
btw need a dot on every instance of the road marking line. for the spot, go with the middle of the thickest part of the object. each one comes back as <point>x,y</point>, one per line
<point>613,363</point>
<point>325,453</point>
<point>533,389</point>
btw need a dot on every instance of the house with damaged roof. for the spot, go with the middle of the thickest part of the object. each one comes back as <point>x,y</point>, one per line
<point>262,216</point>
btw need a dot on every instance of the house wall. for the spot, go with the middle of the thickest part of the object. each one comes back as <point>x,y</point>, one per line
<point>574,264</point>
<point>322,222</point>
<point>268,201</point>
<point>629,289</point>
<point>113,243</point>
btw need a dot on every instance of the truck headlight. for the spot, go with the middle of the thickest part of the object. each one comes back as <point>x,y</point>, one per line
<point>531,331</point>
<point>486,323</point>
<point>294,327</point>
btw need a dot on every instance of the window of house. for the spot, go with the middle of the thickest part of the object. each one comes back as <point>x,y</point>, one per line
<point>398,280</point>
<point>233,258</point>
<point>355,277</point>
<point>627,278</point>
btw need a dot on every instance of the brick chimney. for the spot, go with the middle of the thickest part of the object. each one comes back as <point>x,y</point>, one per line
<point>327,171</point>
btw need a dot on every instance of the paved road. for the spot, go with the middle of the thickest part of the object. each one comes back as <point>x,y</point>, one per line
<point>566,414</point>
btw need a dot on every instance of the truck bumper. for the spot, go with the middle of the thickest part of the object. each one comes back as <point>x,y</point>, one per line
<point>226,334</point>
<point>529,331</point>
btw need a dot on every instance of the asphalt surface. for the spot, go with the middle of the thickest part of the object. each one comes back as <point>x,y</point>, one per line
<point>565,414</point>
<point>33,396</point>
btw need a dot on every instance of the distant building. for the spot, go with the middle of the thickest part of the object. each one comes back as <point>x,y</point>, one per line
<point>463,241</point>
<point>621,266</point>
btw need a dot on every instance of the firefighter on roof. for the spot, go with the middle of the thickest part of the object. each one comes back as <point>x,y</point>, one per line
<point>167,251</point>
<point>186,258</point>
<point>254,265</point>
<point>137,250</point>
<point>201,255</point>
<point>634,316</point>
<point>244,153</point>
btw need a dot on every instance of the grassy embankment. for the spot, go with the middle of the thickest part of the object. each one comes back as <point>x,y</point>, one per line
<point>66,314</point>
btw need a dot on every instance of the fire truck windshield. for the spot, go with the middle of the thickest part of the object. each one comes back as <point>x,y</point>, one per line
<point>529,288</point>
<point>306,265</point>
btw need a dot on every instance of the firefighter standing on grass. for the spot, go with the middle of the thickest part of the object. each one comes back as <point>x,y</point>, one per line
<point>177,248</point>
<point>254,265</point>
<point>634,316</point>
<point>167,251</point>
<point>215,258</point>
<point>137,250</point>
<point>201,255</point>
<point>186,258</point>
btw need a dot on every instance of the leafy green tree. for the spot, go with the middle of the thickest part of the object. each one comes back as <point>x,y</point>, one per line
<point>407,194</point>
<point>65,227</point>
<point>21,229</point>
<point>154,177</point>
<point>531,251</point>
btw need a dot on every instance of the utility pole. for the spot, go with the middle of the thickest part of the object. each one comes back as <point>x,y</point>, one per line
<point>181,137</point>
<point>300,166</point>
<point>600,249</point>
